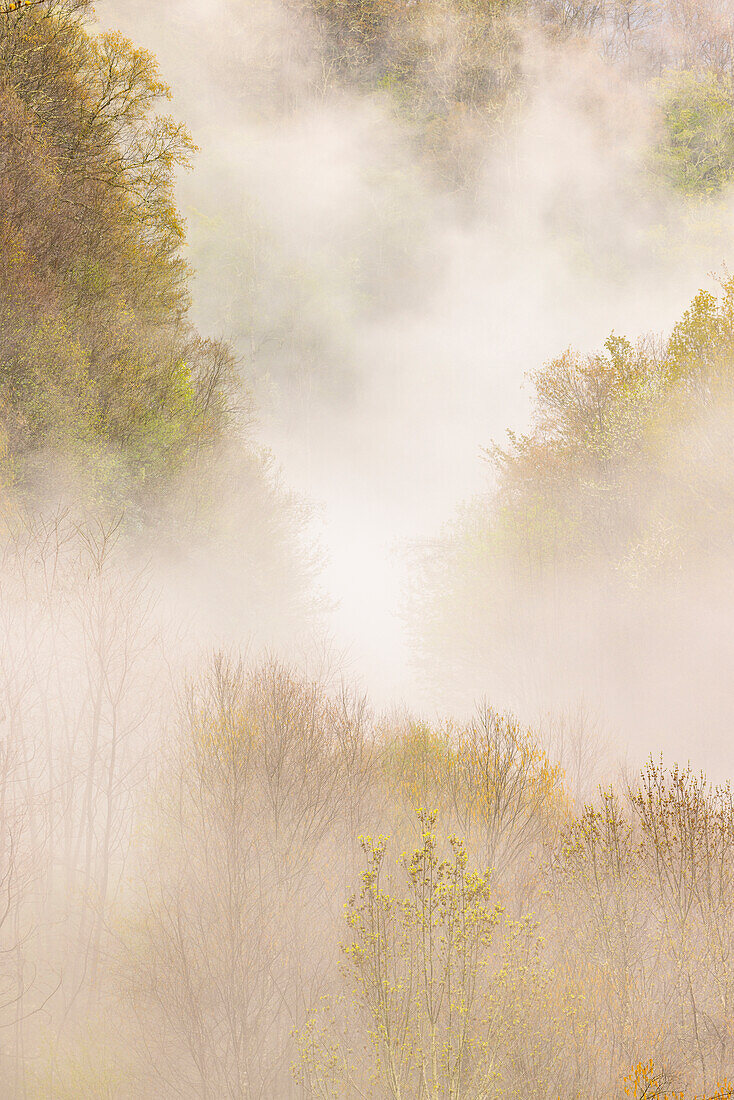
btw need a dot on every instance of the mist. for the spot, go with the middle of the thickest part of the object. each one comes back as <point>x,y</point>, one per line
<point>366,576</point>
<point>387,321</point>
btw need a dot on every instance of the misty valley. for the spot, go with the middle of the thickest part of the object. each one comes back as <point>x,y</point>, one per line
<point>366,549</point>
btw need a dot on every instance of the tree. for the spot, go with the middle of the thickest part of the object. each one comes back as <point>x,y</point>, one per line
<point>695,153</point>
<point>222,946</point>
<point>444,993</point>
<point>101,368</point>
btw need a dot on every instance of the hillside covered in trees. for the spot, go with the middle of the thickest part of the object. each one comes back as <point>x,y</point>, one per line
<point>112,401</point>
<point>226,873</point>
<point>604,538</point>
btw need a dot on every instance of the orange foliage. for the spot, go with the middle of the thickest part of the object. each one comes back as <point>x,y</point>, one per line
<point>646,1083</point>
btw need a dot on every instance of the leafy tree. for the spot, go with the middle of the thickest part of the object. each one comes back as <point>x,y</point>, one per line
<point>622,475</point>
<point>101,369</point>
<point>438,978</point>
<point>696,149</point>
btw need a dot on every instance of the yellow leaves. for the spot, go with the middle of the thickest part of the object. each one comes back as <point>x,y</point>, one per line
<point>92,142</point>
<point>224,739</point>
<point>18,4</point>
<point>128,76</point>
<point>644,1082</point>
<point>701,343</point>
<point>222,730</point>
<point>419,761</point>
<point>14,248</point>
<point>416,959</point>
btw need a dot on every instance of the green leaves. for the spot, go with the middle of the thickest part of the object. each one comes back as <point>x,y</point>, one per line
<point>101,367</point>
<point>695,152</point>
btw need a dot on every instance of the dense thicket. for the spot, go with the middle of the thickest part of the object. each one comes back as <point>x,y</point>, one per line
<point>456,71</point>
<point>623,481</point>
<point>101,370</point>
<point>453,85</point>
<point>110,399</point>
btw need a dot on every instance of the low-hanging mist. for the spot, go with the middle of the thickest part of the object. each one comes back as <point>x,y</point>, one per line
<point>366,549</point>
<point>387,313</point>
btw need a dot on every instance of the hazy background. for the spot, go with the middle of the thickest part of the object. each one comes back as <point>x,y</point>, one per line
<point>268,591</point>
<point>386,321</point>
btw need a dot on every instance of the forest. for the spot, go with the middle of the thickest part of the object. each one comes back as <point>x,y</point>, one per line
<point>366,550</point>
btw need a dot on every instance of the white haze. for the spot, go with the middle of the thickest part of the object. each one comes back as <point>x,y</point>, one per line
<point>436,371</point>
